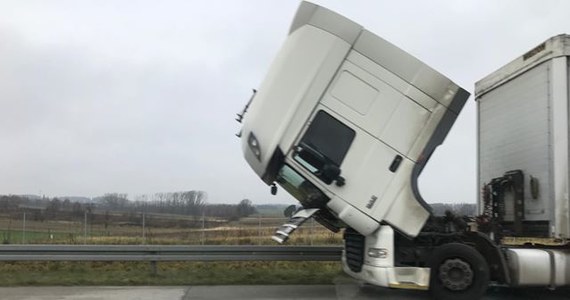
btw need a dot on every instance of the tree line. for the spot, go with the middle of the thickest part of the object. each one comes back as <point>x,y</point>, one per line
<point>187,203</point>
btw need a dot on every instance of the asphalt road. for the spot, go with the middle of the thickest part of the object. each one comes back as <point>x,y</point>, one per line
<point>341,290</point>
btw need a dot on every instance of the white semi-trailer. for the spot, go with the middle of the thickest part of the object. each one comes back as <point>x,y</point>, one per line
<point>345,122</point>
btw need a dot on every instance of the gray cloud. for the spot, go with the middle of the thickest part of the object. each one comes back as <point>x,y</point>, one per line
<point>109,96</point>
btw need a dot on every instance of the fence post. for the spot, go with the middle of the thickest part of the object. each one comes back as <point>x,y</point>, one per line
<point>143,229</point>
<point>311,230</point>
<point>24,229</point>
<point>259,229</point>
<point>203,227</point>
<point>85,227</point>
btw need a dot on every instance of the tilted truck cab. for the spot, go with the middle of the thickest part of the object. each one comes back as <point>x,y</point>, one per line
<point>345,122</point>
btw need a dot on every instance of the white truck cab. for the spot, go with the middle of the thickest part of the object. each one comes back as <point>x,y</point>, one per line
<point>345,122</point>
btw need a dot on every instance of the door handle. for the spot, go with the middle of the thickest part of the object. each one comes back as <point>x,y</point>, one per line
<point>395,164</point>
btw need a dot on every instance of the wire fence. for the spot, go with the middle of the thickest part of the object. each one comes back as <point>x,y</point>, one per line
<point>132,228</point>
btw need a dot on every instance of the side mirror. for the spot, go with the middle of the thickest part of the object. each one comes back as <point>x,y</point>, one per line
<point>273,189</point>
<point>290,211</point>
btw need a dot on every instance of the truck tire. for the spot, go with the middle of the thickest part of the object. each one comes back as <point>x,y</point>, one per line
<point>458,272</point>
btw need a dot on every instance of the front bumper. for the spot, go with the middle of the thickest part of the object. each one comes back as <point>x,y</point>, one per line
<point>392,277</point>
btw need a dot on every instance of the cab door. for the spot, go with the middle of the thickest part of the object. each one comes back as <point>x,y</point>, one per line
<point>357,142</point>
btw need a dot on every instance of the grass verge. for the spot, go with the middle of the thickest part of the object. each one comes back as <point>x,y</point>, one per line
<point>169,273</point>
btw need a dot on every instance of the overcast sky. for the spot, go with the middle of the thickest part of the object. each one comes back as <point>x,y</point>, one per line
<point>140,96</point>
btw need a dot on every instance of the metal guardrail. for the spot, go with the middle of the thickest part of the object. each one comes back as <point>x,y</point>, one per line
<point>156,253</point>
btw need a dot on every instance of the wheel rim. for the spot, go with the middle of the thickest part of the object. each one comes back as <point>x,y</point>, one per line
<point>455,274</point>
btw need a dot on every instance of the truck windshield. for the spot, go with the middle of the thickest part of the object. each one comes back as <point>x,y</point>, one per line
<point>300,188</point>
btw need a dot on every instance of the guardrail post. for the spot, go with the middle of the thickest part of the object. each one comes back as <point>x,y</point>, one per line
<point>153,269</point>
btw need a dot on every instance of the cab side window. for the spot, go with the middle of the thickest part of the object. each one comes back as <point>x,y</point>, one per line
<point>324,144</point>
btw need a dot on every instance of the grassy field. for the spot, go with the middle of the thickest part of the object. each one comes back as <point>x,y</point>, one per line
<point>247,231</point>
<point>169,273</point>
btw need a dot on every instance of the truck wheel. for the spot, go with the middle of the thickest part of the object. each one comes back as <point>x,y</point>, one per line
<point>458,272</point>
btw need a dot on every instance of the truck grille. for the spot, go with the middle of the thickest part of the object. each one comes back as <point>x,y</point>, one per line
<point>354,249</point>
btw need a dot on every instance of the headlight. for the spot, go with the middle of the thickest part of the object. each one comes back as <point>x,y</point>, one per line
<point>254,145</point>
<point>377,252</point>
